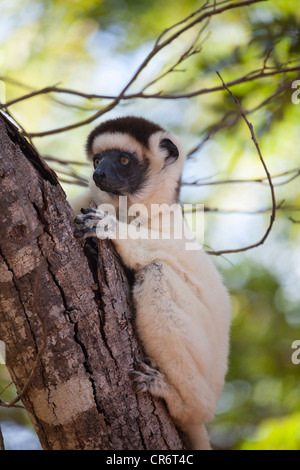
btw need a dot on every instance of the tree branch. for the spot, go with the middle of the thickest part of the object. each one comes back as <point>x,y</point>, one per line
<point>273,213</point>
<point>225,123</point>
<point>76,390</point>
<point>204,13</point>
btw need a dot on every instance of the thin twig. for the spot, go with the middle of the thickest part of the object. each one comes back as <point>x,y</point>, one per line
<point>225,123</point>
<point>5,388</point>
<point>159,95</point>
<point>76,182</point>
<point>295,173</point>
<point>249,77</point>
<point>189,52</point>
<point>267,210</point>
<point>206,12</point>
<point>294,220</point>
<point>185,20</point>
<point>60,161</point>
<point>255,75</point>
<point>273,212</point>
<point>159,46</point>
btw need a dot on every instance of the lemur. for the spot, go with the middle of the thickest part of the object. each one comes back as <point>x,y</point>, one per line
<point>182,307</point>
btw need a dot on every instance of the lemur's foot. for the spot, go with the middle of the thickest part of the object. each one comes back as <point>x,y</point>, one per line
<point>146,377</point>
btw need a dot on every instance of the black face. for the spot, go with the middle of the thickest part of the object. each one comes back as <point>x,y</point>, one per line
<point>119,172</point>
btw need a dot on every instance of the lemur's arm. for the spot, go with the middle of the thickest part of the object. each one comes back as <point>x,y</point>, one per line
<point>136,251</point>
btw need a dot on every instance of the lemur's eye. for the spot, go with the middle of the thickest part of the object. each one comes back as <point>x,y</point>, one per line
<point>124,160</point>
<point>96,160</point>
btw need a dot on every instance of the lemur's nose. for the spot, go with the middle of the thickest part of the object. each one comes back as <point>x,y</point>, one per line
<point>103,170</point>
<point>99,176</point>
<point>105,173</point>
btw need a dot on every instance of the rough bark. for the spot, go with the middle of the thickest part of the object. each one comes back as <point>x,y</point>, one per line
<point>80,396</point>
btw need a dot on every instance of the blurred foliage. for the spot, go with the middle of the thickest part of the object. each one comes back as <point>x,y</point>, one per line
<point>276,434</point>
<point>262,380</point>
<point>96,46</point>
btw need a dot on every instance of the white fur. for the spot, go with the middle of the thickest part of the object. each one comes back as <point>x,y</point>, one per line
<point>183,317</point>
<point>116,140</point>
<point>182,306</point>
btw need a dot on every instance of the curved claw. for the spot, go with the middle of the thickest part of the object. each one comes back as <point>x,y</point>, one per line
<point>88,210</point>
<point>78,220</point>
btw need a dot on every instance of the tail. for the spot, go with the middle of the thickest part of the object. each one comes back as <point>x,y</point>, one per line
<point>196,436</point>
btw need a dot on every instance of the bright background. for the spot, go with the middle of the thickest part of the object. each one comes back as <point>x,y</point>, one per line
<point>95,46</point>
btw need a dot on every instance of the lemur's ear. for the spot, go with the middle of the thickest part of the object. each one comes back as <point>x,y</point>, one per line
<point>171,148</point>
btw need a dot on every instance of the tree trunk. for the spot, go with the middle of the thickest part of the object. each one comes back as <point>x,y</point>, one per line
<point>80,396</point>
